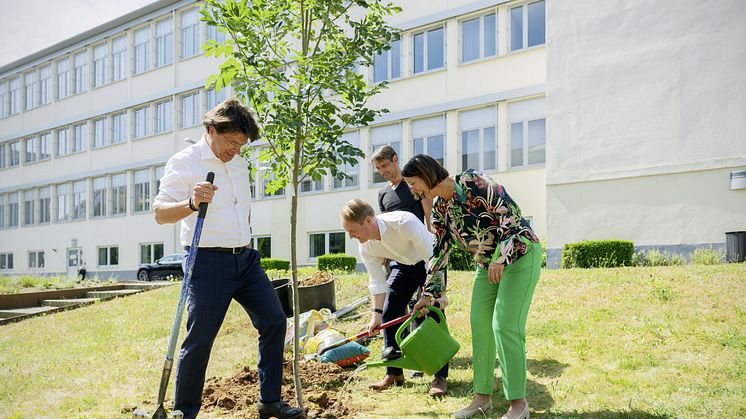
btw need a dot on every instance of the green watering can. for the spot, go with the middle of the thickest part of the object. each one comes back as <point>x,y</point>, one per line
<point>427,349</point>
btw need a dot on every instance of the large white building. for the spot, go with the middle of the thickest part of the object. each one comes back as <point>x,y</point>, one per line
<point>87,125</point>
<point>608,124</point>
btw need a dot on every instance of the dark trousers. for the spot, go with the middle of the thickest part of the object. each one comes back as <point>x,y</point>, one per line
<point>217,279</point>
<point>403,282</point>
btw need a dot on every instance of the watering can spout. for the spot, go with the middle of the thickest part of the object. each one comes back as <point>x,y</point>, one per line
<point>402,362</point>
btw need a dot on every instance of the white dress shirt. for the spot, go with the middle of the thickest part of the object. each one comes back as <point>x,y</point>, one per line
<point>403,238</point>
<point>227,220</point>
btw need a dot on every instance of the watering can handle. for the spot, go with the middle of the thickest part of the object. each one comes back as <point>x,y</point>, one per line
<point>403,327</point>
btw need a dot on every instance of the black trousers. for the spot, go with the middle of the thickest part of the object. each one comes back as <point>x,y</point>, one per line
<point>217,279</point>
<point>403,282</point>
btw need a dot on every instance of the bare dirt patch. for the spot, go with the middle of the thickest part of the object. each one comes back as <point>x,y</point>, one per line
<point>239,394</point>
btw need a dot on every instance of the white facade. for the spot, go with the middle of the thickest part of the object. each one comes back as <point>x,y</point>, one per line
<point>87,125</point>
<point>646,122</point>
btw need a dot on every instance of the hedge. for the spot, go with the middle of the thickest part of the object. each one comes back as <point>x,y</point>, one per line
<point>460,260</point>
<point>337,262</point>
<point>278,264</point>
<point>598,254</point>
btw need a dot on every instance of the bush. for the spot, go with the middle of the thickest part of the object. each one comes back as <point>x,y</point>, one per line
<point>270,263</point>
<point>707,256</point>
<point>657,258</point>
<point>598,254</point>
<point>460,260</point>
<point>337,262</point>
<point>543,253</point>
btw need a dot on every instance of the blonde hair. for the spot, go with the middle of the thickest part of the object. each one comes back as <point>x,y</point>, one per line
<point>357,210</point>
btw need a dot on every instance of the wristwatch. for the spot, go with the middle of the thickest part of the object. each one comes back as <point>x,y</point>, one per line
<point>377,310</point>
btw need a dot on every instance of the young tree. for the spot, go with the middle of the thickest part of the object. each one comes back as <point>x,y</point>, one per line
<point>296,63</point>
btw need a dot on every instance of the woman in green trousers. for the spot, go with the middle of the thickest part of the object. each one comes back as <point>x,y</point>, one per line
<point>475,213</point>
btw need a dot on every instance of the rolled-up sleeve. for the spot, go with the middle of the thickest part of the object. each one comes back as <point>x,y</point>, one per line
<point>376,272</point>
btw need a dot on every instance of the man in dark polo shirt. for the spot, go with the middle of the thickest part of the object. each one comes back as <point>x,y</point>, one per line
<point>403,282</point>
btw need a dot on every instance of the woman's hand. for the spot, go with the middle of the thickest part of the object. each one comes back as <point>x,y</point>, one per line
<point>425,301</point>
<point>495,272</point>
<point>441,302</point>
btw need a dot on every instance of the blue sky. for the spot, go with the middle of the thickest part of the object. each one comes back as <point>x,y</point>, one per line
<point>31,25</point>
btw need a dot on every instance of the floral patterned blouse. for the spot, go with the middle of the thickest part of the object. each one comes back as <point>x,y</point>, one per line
<point>480,218</point>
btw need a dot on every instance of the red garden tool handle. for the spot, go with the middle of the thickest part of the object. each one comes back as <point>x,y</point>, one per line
<point>366,333</point>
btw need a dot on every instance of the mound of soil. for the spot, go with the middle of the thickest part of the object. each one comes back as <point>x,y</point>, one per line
<point>239,394</point>
<point>318,278</point>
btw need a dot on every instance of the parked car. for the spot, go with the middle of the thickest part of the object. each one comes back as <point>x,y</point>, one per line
<point>166,266</point>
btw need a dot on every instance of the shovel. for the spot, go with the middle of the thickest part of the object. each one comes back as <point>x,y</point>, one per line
<point>160,411</point>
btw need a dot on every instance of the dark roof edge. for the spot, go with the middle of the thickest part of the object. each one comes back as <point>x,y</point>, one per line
<point>152,7</point>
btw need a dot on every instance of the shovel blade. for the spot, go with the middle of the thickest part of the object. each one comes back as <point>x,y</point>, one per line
<point>160,412</point>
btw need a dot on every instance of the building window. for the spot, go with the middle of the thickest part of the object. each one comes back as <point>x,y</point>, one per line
<point>158,176</point>
<point>36,259</point>
<point>44,205</point>
<point>163,116</point>
<point>142,190</point>
<point>13,208</point>
<point>387,65</point>
<point>62,200</point>
<point>4,96</point>
<point>15,153</point>
<point>151,252</point>
<point>99,196</point>
<point>527,133</point>
<point>478,37</point>
<point>45,84</point>
<point>80,140</point>
<point>100,129</point>
<point>142,122</point>
<point>63,141</point>
<point>213,98</point>
<point>108,256</point>
<point>429,47</point>
<point>118,58</point>
<point>15,96</point>
<point>189,33</point>
<point>351,170</point>
<point>527,26</point>
<point>214,34</point>
<point>44,140</point>
<point>119,194</point>
<point>28,207</point>
<point>63,78</point>
<point>118,128</point>
<point>391,135</point>
<point>80,199</point>
<point>3,210</point>
<point>81,65</point>
<point>32,145</point>
<point>310,185</point>
<point>164,42</point>
<point>479,139</point>
<point>326,243</point>
<point>29,90</point>
<point>266,181</point>
<point>6,260</point>
<point>263,245</point>
<point>3,156</point>
<point>428,137</point>
<point>100,65</point>
<point>190,115</point>
<point>142,50</point>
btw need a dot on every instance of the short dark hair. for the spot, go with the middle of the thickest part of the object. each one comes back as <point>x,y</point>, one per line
<point>386,152</point>
<point>426,168</point>
<point>233,116</point>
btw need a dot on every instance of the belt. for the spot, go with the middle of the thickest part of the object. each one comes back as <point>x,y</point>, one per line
<point>232,250</point>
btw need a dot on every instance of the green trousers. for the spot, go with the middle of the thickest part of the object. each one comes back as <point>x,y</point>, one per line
<point>498,323</point>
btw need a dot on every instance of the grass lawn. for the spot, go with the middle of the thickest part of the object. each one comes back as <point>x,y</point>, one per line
<point>26,283</point>
<point>624,342</point>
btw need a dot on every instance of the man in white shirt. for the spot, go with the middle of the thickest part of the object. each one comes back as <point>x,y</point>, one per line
<point>398,236</point>
<point>225,269</point>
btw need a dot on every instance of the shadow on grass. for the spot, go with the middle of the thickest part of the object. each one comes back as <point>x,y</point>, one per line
<point>545,367</point>
<point>625,414</point>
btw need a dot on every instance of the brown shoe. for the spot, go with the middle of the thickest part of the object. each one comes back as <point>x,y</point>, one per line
<point>439,387</point>
<point>388,381</point>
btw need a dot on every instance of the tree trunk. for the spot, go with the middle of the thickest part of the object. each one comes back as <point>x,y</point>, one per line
<point>294,267</point>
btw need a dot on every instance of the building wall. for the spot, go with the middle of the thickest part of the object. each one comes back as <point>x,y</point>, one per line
<point>508,85</point>
<point>645,104</point>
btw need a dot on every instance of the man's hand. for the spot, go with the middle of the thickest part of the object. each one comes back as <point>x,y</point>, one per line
<point>424,301</point>
<point>495,272</point>
<point>375,321</point>
<point>441,302</point>
<point>203,192</point>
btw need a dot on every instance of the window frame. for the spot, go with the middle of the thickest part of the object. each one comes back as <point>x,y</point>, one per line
<point>425,50</point>
<point>327,235</point>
